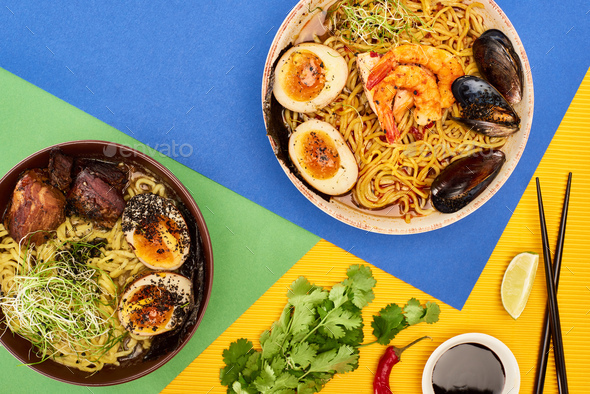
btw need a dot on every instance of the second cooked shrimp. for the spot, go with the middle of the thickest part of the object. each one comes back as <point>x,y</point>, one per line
<point>442,63</point>
<point>422,86</point>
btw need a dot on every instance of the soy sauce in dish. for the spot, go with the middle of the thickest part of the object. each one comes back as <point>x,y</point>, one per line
<point>468,368</point>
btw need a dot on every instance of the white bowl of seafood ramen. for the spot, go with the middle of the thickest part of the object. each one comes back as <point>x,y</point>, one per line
<point>400,109</point>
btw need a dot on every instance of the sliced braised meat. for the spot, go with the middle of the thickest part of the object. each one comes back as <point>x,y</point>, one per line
<point>95,199</point>
<point>36,208</point>
<point>60,169</point>
<point>109,173</point>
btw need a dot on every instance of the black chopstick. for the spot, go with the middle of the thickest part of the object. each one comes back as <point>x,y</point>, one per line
<point>544,352</point>
<point>552,300</point>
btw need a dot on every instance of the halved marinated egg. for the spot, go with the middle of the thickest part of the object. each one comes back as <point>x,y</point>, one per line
<point>322,157</point>
<point>156,231</point>
<point>309,76</point>
<point>155,303</point>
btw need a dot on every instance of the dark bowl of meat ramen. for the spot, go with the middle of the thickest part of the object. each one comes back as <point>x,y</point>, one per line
<point>113,244</point>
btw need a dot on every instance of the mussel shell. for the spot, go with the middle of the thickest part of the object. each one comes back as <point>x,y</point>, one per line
<point>465,179</point>
<point>484,109</point>
<point>499,63</point>
<point>488,128</point>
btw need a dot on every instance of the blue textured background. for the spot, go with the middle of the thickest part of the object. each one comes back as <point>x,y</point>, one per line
<point>185,78</point>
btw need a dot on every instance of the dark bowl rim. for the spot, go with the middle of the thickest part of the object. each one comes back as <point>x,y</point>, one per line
<point>185,195</point>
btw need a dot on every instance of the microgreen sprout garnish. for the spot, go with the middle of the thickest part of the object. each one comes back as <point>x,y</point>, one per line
<point>374,24</point>
<point>58,304</point>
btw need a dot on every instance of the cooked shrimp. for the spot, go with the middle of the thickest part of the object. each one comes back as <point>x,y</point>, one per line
<point>404,100</point>
<point>439,61</point>
<point>426,97</point>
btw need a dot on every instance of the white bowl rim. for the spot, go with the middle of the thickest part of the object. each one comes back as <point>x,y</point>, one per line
<point>511,369</point>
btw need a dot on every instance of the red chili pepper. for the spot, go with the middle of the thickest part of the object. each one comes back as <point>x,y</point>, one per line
<point>374,54</point>
<point>388,360</point>
<point>416,133</point>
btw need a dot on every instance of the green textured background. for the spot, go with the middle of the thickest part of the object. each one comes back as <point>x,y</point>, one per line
<point>252,247</point>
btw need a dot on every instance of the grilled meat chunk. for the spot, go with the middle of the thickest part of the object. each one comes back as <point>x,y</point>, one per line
<point>94,198</point>
<point>60,169</point>
<point>36,208</point>
<point>109,173</point>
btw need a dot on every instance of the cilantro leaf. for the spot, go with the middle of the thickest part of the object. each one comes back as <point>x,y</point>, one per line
<point>324,308</point>
<point>253,365</point>
<point>432,312</point>
<point>272,341</point>
<point>303,317</point>
<point>235,357</point>
<point>278,364</point>
<point>302,291</point>
<point>300,286</point>
<point>323,342</point>
<point>315,297</point>
<point>361,276</point>
<point>302,355</point>
<point>362,298</point>
<point>237,388</point>
<point>353,337</point>
<point>413,311</point>
<point>338,361</point>
<point>307,387</point>
<point>313,383</point>
<point>388,323</point>
<point>265,381</point>
<point>236,350</point>
<point>285,318</point>
<point>339,319</point>
<point>416,313</point>
<point>361,282</point>
<point>286,381</point>
<point>337,295</point>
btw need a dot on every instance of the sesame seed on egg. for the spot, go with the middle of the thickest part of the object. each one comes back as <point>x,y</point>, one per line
<point>156,231</point>
<point>155,303</point>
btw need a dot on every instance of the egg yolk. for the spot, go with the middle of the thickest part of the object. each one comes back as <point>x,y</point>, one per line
<point>158,242</point>
<point>305,75</point>
<point>318,155</point>
<point>150,308</point>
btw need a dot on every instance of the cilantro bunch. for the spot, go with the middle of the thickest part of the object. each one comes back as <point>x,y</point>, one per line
<point>317,336</point>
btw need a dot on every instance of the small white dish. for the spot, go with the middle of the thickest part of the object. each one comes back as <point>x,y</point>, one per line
<point>511,369</point>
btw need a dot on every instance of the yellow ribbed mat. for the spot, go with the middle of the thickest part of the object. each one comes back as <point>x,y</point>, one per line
<point>326,264</point>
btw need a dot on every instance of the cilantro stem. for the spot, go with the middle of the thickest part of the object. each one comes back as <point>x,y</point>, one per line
<point>320,324</point>
<point>367,344</point>
<point>288,329</point>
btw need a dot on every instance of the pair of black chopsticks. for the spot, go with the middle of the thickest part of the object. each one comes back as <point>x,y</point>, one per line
<point>552,324</point>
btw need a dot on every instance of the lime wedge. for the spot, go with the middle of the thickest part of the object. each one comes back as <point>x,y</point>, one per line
<point>518,282</point>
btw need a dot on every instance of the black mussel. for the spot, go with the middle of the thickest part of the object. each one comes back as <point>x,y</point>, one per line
<point>465,179</point>
<point>484,109</point>
<point>499,63</point>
